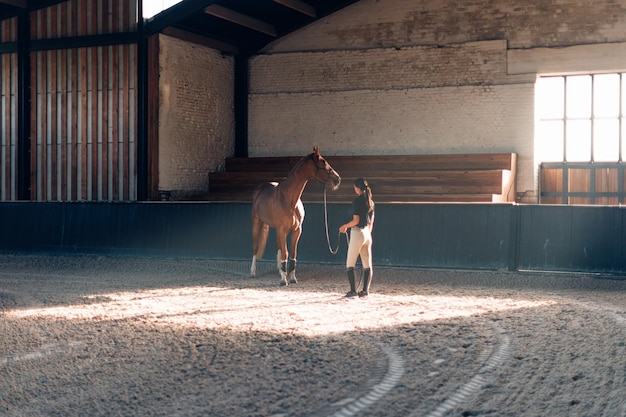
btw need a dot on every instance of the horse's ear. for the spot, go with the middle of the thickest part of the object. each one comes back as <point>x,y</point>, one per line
<point>316,150</point>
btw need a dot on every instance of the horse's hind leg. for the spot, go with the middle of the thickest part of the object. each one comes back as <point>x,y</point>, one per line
<point>281,255</point>
<point>253,266</point>
<point>260,231</point>
<point>291,268</point>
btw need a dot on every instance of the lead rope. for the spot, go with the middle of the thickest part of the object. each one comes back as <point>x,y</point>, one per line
<point>330,248</point>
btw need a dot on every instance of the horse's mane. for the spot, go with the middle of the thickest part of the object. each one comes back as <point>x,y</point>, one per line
<point>301,162</point>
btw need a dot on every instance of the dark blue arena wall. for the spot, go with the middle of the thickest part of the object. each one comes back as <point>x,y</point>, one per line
<point>458,236</point>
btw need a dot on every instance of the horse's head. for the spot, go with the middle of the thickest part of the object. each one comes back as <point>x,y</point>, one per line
<point>324,173</point>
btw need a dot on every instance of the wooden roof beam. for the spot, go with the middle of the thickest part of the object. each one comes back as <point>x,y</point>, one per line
<point>17,3</point>
<point>241,19</point>
<point>299,6</point>
<point>200,40</point>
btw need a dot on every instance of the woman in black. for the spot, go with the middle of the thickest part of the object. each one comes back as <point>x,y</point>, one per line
<point>360,244</point>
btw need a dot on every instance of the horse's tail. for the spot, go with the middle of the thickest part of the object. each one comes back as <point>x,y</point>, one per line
<point>263,240</point>
<point>260,231</point>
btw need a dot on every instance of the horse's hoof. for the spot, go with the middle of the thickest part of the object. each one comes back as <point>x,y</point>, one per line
<point>293,280</point>
<point>283,283</point>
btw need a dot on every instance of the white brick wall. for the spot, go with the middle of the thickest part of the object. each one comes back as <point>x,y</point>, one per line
<point>471,63</point>
<point>196,117</point>
<point>453,99</point>
<point>404,121</point>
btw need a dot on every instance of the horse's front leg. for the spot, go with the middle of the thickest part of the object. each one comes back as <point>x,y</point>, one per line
<point>291,267</point>
<point>281,255</point>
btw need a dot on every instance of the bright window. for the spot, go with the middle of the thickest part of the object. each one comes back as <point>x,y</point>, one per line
<point>153,7</point>
<point>580,118</point>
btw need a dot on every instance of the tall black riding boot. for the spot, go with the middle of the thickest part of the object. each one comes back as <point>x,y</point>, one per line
<point>367,279</point>
<point>351,280</point>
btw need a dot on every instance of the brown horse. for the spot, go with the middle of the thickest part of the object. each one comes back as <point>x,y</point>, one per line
<point>278,205</point>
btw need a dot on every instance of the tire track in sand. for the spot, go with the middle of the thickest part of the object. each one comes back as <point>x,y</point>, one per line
<point>496,356</point>
<point>395,370</point>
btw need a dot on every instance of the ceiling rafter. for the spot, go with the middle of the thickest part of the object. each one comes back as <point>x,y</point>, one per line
<point>241,19</point>
<point>299,6</point>
<point>200,40</point>
<point>16,3</point>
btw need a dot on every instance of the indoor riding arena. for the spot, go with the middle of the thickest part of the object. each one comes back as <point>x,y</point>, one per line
<point>133,135</point>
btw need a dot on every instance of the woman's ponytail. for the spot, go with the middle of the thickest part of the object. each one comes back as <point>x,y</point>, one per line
<point>362,184</point>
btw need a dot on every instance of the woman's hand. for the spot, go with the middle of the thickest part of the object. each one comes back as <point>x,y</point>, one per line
<point>355,220</point>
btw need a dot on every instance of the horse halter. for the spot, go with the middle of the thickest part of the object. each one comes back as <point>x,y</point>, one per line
<point>317,168</point>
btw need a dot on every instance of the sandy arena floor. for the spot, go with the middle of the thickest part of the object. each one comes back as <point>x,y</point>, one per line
<point>103,336</point>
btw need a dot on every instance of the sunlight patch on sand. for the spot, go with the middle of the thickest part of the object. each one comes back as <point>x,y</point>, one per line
<point>306,313</point>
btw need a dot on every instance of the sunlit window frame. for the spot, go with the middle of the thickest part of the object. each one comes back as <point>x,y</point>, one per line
<point>574,192</point>
<point>592,118</point>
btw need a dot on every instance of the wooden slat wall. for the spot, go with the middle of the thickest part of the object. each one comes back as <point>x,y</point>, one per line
<point>85,17</point>
<point>606,181</point>
<point>8,114</point>
<point>83,124</point>
<point>584,184</point>
<point>579,182</point>
<point>83,121</point>
<point>551,181</point>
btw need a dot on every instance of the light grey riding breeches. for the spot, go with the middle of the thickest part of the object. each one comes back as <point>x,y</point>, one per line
<point>360,244</point>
